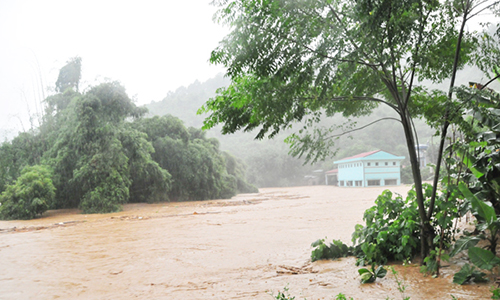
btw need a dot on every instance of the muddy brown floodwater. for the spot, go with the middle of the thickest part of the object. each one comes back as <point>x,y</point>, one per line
<point>242,248</point>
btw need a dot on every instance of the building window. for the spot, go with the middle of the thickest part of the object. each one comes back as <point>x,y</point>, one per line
<point>386,163</point>
<point>390,182</point>
<point>376,163</point>
<point>368,164</point>
<point>349,183</point>
<point>393,163</point>
<point>341,183</point>
<point>358,183</point>
<point>373,182</point>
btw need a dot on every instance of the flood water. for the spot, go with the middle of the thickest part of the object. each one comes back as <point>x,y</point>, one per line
<point>242,248</point>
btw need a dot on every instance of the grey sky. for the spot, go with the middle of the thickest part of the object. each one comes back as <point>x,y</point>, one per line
<point>151,47</point>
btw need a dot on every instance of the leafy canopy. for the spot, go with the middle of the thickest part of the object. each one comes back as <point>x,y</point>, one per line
<point>295,60</point>
<point>30,195</point>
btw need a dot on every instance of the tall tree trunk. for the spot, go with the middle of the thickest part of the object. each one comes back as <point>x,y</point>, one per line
<point>426,231</point>
<point>444,129</point>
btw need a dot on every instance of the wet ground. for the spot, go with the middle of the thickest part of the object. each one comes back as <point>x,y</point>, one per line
<point>242,248</point>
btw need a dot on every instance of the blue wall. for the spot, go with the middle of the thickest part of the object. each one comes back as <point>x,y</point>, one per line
<point>377,169</point>
<point>352,171</point>
<point>383,172</point>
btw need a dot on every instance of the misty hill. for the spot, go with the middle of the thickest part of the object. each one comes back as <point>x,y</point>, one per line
<point>268,161</point>
<point>185,101</point>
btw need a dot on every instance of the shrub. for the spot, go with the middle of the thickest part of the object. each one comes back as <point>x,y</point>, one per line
<point>391,231</point>
<point>335,250</point>
<point>29,196</point>
<point>108,196</point>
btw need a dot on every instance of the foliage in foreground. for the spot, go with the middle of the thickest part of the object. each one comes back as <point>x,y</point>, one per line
<point>392,227</point>
<point>369,275</point>
<point>30,195</point>
<point>285,295</point>
<point>495,293</point>
<point>335,250</point>
<point>392,233</point>
<point>469,273</point>
<point>341,296</point>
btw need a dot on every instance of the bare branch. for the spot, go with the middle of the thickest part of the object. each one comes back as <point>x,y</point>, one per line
<point>362,127</point>
<point>481,10</point>
<point>333,58</point>
<point>361,98</point>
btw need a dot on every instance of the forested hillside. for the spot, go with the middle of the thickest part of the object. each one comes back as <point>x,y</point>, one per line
<point>268,161</point>
<point>95,150</point>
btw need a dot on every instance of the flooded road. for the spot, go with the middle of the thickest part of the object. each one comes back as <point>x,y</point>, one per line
<point>242,248</point>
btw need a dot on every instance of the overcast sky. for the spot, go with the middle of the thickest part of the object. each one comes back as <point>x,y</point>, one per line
<point>151,47</point>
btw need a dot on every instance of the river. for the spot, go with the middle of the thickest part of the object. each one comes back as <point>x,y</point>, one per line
<point>241,248</point>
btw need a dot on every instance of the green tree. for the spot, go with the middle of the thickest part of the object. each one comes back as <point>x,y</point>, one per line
<point>150,183</point>
<point>30,195</point>
<point>102,153</point>
<point>69,75</point>
<point>24,150</point>
<point>292,60</point>
<point>237,169</point>
<point>97,156</point>
<point>446,110</point>
<point>199,169</point>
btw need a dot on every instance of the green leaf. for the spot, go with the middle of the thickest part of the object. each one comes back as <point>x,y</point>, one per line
<point>470,161</point>
<point>482,258</point>
<point>496,293</point>
<point>480,207</point>
<point>382,237</point>
<point>464,243</point>
<point>363,270</point>
<point>367,277</point>
<point>380,272</point>
<point>479,276</point>
<point>317,243</point>
<point>463,275</point>
<point>467,273</point>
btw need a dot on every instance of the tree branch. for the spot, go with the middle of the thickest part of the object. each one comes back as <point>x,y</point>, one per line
<point>350,40</point>
<point>362,127</point>
<point>481,10</point>
<point>333,58</point>
<point>361,98</point>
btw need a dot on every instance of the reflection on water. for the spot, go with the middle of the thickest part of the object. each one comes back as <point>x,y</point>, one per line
<point>241,248</point>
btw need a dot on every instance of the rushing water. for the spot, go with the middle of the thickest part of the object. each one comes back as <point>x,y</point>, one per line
<point>242,248</point>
